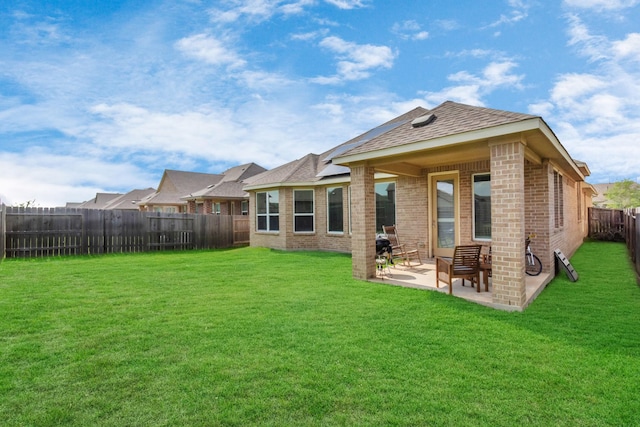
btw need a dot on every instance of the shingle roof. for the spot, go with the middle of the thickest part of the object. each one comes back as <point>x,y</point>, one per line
<point>230,186</point>
<point>100,201</point>
<point>222,190</point>
<point>300,170</point>
<point>451,118</point>
<point>175,184</point>
<point>129,200</point>
<point>239,173</point>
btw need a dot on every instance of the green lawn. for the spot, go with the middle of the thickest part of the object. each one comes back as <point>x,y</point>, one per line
<point>259,337</point>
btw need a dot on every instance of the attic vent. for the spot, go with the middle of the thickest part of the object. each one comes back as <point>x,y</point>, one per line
<point>423,120</point>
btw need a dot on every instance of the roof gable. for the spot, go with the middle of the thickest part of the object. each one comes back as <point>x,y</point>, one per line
<point>449,118</point>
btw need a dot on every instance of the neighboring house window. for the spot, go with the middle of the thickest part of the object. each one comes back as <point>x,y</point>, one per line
<point>244,207</point>
<point>482,207</point>
<point>558,200</point>
<point>385,204</point>
<point>199,208</point>
<point>335,211</point>
<point>216,208</point>
<point>267,211</point>
<point>303,216</point>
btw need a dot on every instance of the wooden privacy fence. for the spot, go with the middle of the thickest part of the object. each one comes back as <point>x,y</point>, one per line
<point>632,238</point>
<point>617,225</point>
<point>606,224</point>
<point>38,232</point>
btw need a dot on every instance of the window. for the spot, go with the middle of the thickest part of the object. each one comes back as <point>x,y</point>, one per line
<point>216,208</point>
<point>385,204</point>
<point>579,201</point>
<point>349,203</point>
<point>482,207</point>
<point>335,211</point>
<point>267,211</point>
<point>244,207</point>
<point>558,200</point>
<point>303,211</point>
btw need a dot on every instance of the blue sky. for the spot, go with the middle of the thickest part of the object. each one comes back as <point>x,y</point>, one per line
<point>102,96</point>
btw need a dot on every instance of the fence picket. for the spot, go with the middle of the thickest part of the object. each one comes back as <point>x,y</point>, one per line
<point>38,232</point>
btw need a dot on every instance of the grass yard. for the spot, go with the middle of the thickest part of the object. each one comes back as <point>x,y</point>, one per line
<point>260,337</point>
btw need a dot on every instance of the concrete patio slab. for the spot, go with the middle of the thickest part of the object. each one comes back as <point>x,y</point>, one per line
<point>423,276</point>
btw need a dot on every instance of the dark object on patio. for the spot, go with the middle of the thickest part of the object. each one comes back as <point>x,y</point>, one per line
<point>398,248</point>
<point>465,264</point>
<point>383,248</point>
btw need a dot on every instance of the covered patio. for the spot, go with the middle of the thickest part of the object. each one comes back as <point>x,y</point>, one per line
<point>423,276</point>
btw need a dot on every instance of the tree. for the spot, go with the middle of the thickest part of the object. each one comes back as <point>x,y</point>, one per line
<point>27,204</point>
<point>624,194</point>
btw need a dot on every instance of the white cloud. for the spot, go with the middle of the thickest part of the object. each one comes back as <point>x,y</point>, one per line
<point>628,48</point>
<point>210,50</point>
<point>601,4</point>
<point>355,61</point>
<point>54,179</point>
<point>311,35</point>
<point>598,111</point>
<point>409,30</point>
<point>518,13</point>
<point>471,88</point>
<point>257,10</point>
<point>348,4</point>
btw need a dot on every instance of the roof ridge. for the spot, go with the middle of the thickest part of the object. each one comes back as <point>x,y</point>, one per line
<point>302,162</point>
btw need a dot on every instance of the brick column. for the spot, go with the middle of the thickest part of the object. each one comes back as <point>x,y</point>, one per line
<point>507,223</point>
<point>363,222</point>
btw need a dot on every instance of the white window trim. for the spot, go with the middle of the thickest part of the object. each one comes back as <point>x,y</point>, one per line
<point>313,213</point>
<point>473,206</point>
<point>267,215</point>
<point>333,232</point>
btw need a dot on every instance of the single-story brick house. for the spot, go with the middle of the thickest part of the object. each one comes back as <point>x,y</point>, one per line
<point>226,196</point>
<point>205,193</point>
<point>452,175</point>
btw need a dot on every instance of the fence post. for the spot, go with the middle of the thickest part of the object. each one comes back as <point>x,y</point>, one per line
<point>3,226</point>
<point>636,243</point>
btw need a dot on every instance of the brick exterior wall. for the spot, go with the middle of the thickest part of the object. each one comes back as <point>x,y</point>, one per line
<point>539,210</point>
<point>363,220</point>
<point>507,221</point>
<point>411,212</point>
<point>522,201</point>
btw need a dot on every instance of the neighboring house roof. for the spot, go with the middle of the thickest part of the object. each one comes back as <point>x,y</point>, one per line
<point>101,201</point>
<point>242,172</point>
<point>130,200</point>
<point>600,199</point>
<point>114,200</point>
<point>175,184</point>
<point>300,170</point>
<point>230,186</point>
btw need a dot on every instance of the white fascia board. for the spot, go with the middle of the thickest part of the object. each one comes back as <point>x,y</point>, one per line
<point>546,130</point>
<point>445,141</point>
<point>341,180</point>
